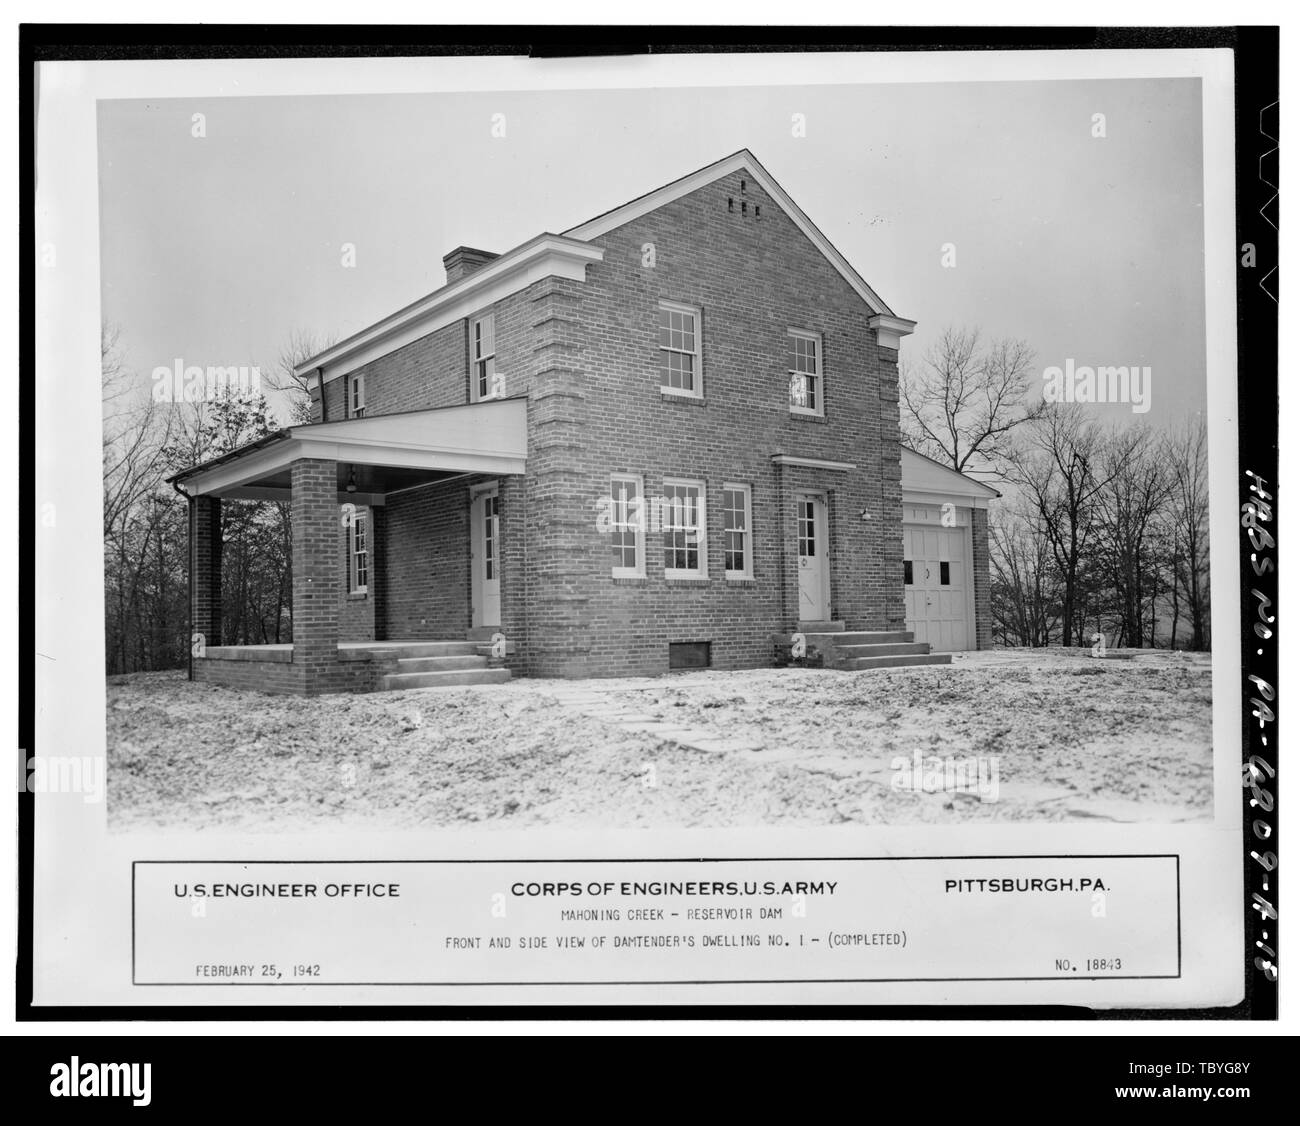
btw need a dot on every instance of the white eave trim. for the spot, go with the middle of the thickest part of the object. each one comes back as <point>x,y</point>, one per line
<point>544,256</point>
<point>813,463</point>
<point>890,330</point>
<point>603,224</point>
<point>489,437</point>
<point>236,475</point>
<point>961,500</point>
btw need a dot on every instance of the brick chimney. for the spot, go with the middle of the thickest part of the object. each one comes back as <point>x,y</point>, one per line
<point>464,260</point>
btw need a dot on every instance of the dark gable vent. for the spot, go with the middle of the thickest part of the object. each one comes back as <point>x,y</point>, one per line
<point>731,204</point>
<point>689,654</point>
<point>744,207</point>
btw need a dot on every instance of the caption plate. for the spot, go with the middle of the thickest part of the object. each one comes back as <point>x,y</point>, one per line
<point>304,924</point>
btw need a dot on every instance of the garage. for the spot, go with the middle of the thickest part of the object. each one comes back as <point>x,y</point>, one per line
<point>945,555</point>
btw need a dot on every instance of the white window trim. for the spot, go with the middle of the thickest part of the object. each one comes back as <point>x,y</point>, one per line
<point>748,572</point>
<point>701,574</point>
<point>475,395</point>
<point>637,572</point>
<point>695,311</point>
<point>353,586</point>
<point>357,383</point>
<point>820,410</point>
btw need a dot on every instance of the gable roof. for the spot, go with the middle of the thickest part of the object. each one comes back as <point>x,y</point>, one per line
<point>923,474</point>
<point>567,255</point>
<point>727,166</point>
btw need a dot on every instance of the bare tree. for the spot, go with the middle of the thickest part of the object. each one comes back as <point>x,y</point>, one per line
<point>301,345</point>
<point>1060,467</point>
<point>1137,488</point>
<point>1025,590</point>
<point>1187,451</point>
<point>135,433</point>
<point>962,403</point>
<point>145,534</point>
<point>142,575</point>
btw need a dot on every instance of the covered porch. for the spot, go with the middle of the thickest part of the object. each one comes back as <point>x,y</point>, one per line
<point>341,480</point>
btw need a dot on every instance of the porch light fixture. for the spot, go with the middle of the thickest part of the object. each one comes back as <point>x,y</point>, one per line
<point>352,480</point>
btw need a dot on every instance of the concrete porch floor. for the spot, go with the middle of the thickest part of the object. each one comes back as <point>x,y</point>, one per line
<point>348,650</point>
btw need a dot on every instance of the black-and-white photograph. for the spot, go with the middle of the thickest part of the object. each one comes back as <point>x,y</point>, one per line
<point>657,458</point>
<point>691,528</point>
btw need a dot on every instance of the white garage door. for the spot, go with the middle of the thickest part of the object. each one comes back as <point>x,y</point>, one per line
<point>936,575</point>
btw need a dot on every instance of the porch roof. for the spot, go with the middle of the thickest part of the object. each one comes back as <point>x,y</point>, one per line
<point>376,454</point>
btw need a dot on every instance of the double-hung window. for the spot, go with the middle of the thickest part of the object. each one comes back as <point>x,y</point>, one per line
<point>681,516</point>
<point>737,533</point>
<point>804,365</point>
<point>358,554</point>
<point>483,357</point>
<point>357,396</point>
<point>680,370</point>
<point>627,526</point>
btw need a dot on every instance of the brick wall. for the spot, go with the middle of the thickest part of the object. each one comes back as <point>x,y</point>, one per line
<point>430,372</point>
<point>980,560</point>
<point>250,676</point>
<point>358,672</point>
<point>586,355</point>
<point>356,611</point>
<point>752,278</point>
<point>425,564</point>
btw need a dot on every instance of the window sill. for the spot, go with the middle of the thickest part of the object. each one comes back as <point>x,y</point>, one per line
<point>683,397</point>
<point>630,580</point>
<point>742,580</point>
<point>358,595</point>
<point>686,580</point>
<point>808,416</point>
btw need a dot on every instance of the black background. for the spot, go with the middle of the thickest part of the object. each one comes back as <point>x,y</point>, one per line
<point>1088,1069</point>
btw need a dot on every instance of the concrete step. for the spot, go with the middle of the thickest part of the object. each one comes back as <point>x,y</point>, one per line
<point>889,649</point>
<point>821,627</point>
<point>875,637</point>
<point>407,650</point>
<point>440,664</point>
<point>859,663</point>
<point>451,679</point>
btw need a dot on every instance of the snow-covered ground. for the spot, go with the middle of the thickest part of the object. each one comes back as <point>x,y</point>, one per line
<point>1064,735</point>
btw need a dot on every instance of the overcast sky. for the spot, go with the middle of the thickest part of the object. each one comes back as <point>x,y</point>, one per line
<point>214,250</point>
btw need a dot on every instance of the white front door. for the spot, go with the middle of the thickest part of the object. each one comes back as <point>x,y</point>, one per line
<point>814,558</point>
<point>485,535</point>
<point>937,586</point>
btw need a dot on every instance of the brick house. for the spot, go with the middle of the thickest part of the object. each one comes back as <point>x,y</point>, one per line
<point>666,438</point>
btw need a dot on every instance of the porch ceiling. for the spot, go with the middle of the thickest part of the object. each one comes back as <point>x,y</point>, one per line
<point>375,455</point>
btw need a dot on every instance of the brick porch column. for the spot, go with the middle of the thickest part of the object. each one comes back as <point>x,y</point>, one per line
<point>316,587</point>
<point>205,568</point>
<point>379,570</point>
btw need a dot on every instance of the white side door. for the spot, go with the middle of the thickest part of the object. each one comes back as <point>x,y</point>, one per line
<point>814,558</point>
<point>938,595</point>
<point>485,541</point>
